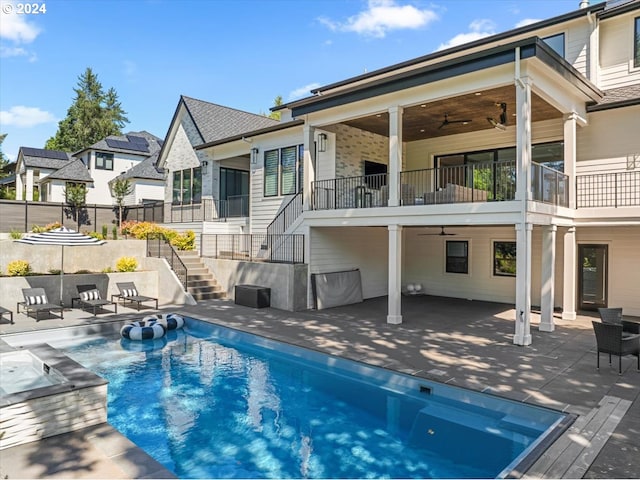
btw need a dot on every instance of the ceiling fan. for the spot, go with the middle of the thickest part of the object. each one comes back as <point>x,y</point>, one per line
<point>502,124</point>
<point>441,234</point>
<point>446,121</point>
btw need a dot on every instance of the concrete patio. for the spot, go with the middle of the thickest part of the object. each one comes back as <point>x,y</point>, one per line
<point>465,343</point>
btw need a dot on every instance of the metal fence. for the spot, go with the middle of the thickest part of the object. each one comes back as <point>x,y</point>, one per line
<point>22,215</point>
<point>616,189</point>
<point>207,210</point>
<point>253,247</point>
<point>286,216</point>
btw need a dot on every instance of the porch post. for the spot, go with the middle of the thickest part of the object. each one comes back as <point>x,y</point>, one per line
<point>29,185</point>
<point>522,334</point>
<point>395,155</point>
<point>19,186</point>
<point>569,292</point>
<point>570,155</point>
<point>523,139</point>
<point>309,173</point>
<point>395,274</point>
<point>547,298</point>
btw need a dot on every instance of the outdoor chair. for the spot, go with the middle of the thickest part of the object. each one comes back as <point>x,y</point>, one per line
<point>129,293</point>
<point>609,340</point>
<point>90,297</point>
<point>4,311</point>
<point>35,300</point>
<point>614,316</point>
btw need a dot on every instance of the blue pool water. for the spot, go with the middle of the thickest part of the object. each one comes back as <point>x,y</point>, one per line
<point>210,402</point>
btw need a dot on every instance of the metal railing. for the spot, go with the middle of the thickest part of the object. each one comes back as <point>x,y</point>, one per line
<point>350,192</point>
<point>616,189</point>
<point>549,185</point>
<point>158,246</point>
<point>285,218</point>
<point>253,247</point>
<point>207,210</point>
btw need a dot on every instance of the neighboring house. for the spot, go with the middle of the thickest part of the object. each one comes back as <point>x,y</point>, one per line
<point>147,182</point>
<point>49,172</point>
<point>506,169</point>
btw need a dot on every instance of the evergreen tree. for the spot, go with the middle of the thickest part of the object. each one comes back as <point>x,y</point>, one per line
<point>92,116</point>
<point>276,103</point>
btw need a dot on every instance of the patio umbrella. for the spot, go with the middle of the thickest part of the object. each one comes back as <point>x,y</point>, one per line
<point>65,238</point>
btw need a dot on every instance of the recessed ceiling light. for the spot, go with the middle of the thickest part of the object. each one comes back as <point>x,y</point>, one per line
<point>422,130</point>
<point>477,94</point>
<point>423,105</point>
<point>378,115</point>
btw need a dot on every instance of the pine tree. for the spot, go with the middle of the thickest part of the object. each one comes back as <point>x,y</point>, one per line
<point>92,116</point>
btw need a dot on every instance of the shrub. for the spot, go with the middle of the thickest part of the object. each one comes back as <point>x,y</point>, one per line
<point>82,271</point>
<point>46,228</point>
<point>114,232</point>
<point>126,264</point>
<point>15,234</point>
<point>18,268</point>
<point>55,271</point>
<point>107,270</point>
<point>184,241</point>
<point>97,235</point>
<point>105,231</point>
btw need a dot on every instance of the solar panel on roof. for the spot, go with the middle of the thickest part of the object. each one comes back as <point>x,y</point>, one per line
<point>42,153</point>
<point>136,147</point>
<point>136,139</point>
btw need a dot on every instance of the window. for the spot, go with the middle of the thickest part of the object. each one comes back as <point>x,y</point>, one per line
<point>457,256</point>
<point>556,42</point>
<point>377,169</point>
<point>283,171</point>
<point>104,161</point>
<point>187,186</point>
<point>504,259</point>
<point>636,44</point>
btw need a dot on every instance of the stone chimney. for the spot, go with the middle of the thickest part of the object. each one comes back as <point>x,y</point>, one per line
<point>584,3</point>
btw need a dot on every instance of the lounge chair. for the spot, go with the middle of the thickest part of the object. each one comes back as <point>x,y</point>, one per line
<point>4,311</point>
<point>609,340</point>
<point>129,293</point>
<point>35,300</point>
<point>614,316</point>
<point>90,297</point>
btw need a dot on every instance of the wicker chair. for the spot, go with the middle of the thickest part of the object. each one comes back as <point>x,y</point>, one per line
<point>609,340</point>
<point>614,316</point>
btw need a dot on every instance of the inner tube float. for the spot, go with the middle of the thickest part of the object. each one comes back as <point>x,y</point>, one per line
<point>144,330</point>
<point>170,321</point>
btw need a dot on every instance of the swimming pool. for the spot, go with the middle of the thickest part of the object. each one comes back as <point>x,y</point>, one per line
<point>211,402</point>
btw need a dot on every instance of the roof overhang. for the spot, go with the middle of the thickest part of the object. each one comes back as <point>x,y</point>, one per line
<point>251,134</point>
<point>527,49</point>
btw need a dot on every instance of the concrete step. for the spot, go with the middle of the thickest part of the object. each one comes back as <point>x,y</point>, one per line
<point>203,283</point>
<point>199,277</point>
<point>208,296</point>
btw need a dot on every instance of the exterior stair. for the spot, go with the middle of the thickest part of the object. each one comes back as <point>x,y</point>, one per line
<point>201,283</point>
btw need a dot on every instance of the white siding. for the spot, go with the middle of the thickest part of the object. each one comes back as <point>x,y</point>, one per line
<point>147,190</point>
<point>616,52</point>
<point>180,156</point>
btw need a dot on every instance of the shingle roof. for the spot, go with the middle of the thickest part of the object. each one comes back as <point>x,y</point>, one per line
<point>145,170</point>
<point>618,97</point>
<point>118,143</point>
<point>74,171</point>
<point>215,122</point>
<point>41,158</point>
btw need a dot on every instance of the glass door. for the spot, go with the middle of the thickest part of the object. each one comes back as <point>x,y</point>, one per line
<point>592,276</point>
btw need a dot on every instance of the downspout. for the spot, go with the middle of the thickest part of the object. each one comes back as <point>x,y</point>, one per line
<point>592,59</point>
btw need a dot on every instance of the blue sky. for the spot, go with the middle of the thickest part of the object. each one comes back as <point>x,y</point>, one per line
<point>240,54</point>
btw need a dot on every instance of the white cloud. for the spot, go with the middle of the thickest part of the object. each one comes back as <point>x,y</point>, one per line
<point>526,21</point>
<point>15,27</point>
<point>477,29</point>
<point>130,70</point>
<point>21,116</point>
<point>381,17</point>
<point>302,91</point>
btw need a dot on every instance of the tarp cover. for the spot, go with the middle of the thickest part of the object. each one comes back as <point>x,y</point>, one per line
<point>336,288</point>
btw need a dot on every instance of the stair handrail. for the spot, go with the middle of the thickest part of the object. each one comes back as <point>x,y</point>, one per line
<point>286,216</point>
<point>172,258</point>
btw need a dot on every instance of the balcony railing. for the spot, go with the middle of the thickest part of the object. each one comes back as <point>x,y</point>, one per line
<point>254,247</point>
<point>208,210</point>
<point>616,189</point>
<point>549,185</point>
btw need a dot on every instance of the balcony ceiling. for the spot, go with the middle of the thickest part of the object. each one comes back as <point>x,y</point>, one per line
<point>424,121</point>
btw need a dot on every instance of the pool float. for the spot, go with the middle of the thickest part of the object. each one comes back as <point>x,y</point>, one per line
<point>170,321</point>
<point>144,330</point>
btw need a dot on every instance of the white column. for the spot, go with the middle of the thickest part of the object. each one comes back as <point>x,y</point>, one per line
<point>395,155</point>
<point>570,122</point>
<point>395,274</point>
<point>29,185</point>
<point>569,293</point>
<point>309,172</point>
<point>522,334</point>
<point>548,286</point>
<point>523,139</point>
<point>19,186</point>
<point>306,231</point>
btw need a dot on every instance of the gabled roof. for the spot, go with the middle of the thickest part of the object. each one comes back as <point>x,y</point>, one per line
<point>41,158</point>
<point>618,97</point>
<point>215,122</point>
<point>134,143</point>
<point>144,170</point>
<point>74,171</point>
